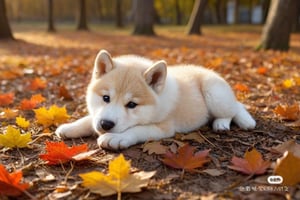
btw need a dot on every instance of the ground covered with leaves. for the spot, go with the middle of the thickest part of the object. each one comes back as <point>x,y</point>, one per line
<point>43,78</point>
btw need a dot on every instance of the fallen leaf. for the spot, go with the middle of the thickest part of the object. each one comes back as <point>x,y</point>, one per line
<point>10,183</point>
<point>186,159</point>
<point>118,180</point>
<point>288,167</point>
<point>13,138</point>
<point>290,146</point>
<point>52,116</point>
<point>214,172</point>
<point>22,122</point>
<point>8,113</point>
<point>59,152</point>
<point>37,84</point>
<point>252,163</point>
<point>63,92</point>
<point>288,83</point>
<point>262,70</point>
<point>29,104</point>
<point>154,147</point>
<point>191,136</point>
<point>286,112</point>
<point>241,87</point>
<point>84,155</point>
<point>6,99</point>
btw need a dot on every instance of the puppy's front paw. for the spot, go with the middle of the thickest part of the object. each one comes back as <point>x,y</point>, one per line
<point>64,131</point>
<point>114,141</point>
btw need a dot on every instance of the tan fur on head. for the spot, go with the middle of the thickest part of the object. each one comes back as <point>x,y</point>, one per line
<point>103,64</point>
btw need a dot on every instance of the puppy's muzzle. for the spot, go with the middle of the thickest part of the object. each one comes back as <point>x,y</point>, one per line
<point>106,124</point>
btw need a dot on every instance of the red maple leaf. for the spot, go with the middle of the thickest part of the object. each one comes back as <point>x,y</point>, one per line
<point>59,152</point>
<point>252,163</point>
<point>6,99</point>
<point>10,182</point>
<point>186,159</point>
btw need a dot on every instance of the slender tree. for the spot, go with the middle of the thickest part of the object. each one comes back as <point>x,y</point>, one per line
<point>5,31</point>
<point>277,30</point>
<point>51,27</point>
<point>119,21</point>
<point>144,14</point>
<point>82,19</point>
<point>195,21</point>
<point>178,12</point>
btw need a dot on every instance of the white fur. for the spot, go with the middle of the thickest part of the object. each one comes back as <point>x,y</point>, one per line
<point>177,99</point>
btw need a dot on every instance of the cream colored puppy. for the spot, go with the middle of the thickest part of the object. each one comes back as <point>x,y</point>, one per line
<point>131,99</point>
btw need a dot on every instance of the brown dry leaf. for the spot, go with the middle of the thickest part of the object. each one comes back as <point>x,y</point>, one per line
<point>190,136</point>
<point>64,93</point>
<point>252,163</point>
<point>214,172</point>
<point>154,147</point>
<point>287,112</point>
<point>290,146</point>
<point>288,167</point>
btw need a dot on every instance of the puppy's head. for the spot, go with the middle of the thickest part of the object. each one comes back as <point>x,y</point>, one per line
<point>122,93</point>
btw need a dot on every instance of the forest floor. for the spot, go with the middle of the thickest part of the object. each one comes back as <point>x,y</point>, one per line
<point>261,80</point>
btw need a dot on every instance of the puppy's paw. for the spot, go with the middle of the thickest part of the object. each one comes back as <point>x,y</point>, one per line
<point>114,141</point>
<point>221,124</point>
<point>64,131</point>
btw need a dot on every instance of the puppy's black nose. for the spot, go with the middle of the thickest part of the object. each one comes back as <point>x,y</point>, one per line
<point>107,124</point>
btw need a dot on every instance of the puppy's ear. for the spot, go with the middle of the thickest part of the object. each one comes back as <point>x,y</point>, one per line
<point>103,64</point>
<point>155,76</point>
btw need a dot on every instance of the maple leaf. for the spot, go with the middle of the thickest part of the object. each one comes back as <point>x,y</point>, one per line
<point>154,147</point>
<point>288,112</point>
<point>117,180</point>
<point>10,182</point>
<point>37,83</point>
<point>262,70</point>
<point>186,159</point>
<point>288,167</point>
<point>6,99</point>
<point>8,113</point>
<point>28,104</point>
<point>241,87</point>
<point>53,116</point>
<point>252,163</point>
<point>22,122</point>
<point>13,138</point>
<point>288,83</point>
<point>59,152</point>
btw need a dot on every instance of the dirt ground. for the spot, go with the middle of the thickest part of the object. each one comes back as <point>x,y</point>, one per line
<point>66,58</point>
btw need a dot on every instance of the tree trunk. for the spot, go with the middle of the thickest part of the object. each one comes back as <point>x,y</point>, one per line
<point>221,11</point>
<point>250,11</point>
<point>195,21</point>
<point>178,12</point>
<point>5,31</point>
<point>236,16</point>
<point>265,10</point>
<point>119,21</point>
<point>277,30</point>
<point>82,21</point>
<point>144,17</point>
<point>51,27</point>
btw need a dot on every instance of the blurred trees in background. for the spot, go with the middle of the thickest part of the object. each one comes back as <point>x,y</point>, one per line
<point>144,13</point>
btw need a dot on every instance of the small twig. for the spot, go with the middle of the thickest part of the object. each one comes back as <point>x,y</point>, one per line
<point>69,172</point>
<point>239,182</point>
<point>21,155</point>
<point>29,195</point>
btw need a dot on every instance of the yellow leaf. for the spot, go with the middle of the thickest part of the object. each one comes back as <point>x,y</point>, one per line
<point>118,179</point>
<point>288,83</point>
<point>22,122</point>
<point>13,138</point>
<point>53,116</point>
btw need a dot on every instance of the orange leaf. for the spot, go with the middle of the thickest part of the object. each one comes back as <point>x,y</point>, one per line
<point>29,104</point>
<point>241,87</point>
<point>10,182</point>
<point>288,112</point>
<point>262,70</point>
<point>8,113</point>
<point>186,159</point>
<point>63,92</point>
<point>6,99</point>
<point>59,152</point>
<point>37,83</point>
<point>252,163</point>
<point>288,167</point>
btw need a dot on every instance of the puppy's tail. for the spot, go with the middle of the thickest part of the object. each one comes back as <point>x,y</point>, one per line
<point>243,119</point>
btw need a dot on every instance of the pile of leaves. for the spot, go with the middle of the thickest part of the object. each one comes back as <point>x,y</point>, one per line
<point>43,80</point>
